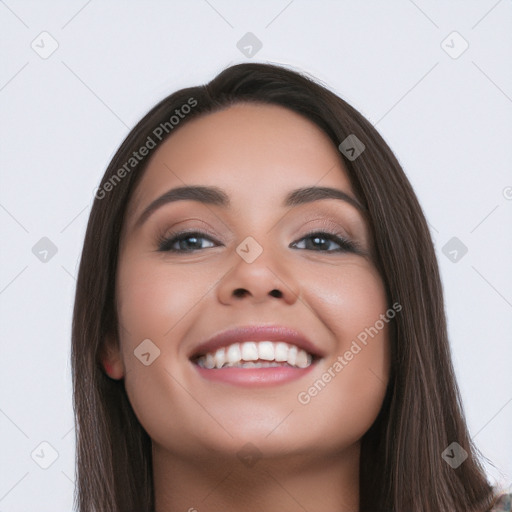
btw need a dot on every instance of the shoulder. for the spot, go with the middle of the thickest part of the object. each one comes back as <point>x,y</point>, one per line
<point>503,504</point>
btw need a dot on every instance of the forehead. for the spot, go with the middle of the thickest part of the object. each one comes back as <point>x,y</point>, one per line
<point>256,152</point>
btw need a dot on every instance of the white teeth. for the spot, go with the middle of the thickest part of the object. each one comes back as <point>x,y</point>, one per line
<point>234,354</point>
<point>281,352</point>
<point>302,359</point>
<point>266,350</point>
<point>292,355</point>
<point>210,361</point>
<point>220,357</point>
<point>266,353</point>
<point>250,351</point>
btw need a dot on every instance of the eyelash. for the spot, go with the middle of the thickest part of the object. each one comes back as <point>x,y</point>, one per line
<point>165,243</point>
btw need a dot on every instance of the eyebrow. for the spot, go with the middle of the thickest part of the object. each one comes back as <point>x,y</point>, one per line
<point>217,197</point>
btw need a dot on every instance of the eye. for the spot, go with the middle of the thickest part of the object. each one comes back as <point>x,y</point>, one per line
<point>319,241</point>
<point>323,242</point>
<point>184,241</point>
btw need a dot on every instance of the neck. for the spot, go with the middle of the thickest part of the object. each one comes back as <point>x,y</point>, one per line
<point>287,484</point>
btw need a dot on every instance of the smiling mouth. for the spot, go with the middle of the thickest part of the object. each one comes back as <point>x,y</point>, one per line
<point>255,354</point>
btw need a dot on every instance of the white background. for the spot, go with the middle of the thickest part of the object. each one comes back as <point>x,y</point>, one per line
<point>448,120</point>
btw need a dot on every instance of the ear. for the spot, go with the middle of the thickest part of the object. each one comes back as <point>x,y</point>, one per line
<point>111,360</point>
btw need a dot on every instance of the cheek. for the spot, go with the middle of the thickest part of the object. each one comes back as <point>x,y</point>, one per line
<point>350,385</point>
<point>153,298</point>
<point>348,299</point>
<point>156,301</point>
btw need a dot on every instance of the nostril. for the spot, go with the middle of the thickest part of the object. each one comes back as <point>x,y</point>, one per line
<point>240,292</point>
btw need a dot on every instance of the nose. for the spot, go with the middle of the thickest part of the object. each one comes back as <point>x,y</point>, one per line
<point>262,280</point>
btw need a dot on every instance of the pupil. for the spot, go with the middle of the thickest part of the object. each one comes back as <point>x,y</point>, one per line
<point>317,240</point>
<point>194,243</point>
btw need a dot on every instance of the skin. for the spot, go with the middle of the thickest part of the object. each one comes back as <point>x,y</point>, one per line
<point>307,455</point>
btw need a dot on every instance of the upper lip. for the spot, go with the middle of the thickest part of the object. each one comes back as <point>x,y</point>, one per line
<point>256,333</point>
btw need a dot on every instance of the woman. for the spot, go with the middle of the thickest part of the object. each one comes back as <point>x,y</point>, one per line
<point>259,321</point>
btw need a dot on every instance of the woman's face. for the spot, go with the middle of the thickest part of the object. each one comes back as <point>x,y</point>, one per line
<point>255,263</point>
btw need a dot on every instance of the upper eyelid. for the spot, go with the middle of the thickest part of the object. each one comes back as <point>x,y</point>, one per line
<point>172,231</point>
<point>322,219</point>
<point>324,223</point>
<point>209,233</point>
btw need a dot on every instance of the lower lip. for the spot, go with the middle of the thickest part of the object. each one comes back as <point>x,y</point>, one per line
<point>254,377</point>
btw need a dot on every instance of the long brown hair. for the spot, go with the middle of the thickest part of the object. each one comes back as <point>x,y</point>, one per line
<point>402,468</point>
